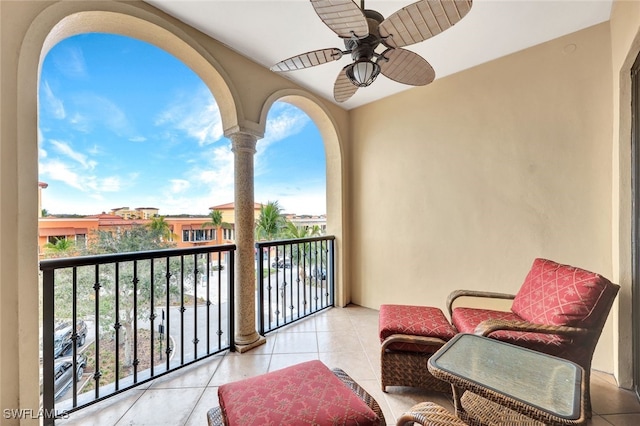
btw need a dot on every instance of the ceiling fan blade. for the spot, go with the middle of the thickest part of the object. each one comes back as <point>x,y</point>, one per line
<point>343,89</point>
<point>422,20</point>
<point>405,66</point>
<point>344,17</point>
<point>309,59</point>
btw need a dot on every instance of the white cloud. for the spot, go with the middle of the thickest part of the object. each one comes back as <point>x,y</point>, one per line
<point>109,184</point>
<point>219,171</point>
<point>64,148</point>
<point>138,139</point>
<point>70,61</point>
<point>284,120</point>
<point>53,104</point>
<point>57,170</point>
<point>80,122</point>
<point>94,109</point>
<point>310,200</point>
<point>179,185</point>
<point>198,116</point>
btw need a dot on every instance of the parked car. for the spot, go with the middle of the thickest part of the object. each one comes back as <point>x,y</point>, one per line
<point>62,340</point>
<point>281,263</point>
<point>63,373</point>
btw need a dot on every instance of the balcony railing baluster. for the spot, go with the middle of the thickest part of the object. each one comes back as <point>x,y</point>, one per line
<point>116,326</point>
<point>120,286</point>
<point>302,271</point>
<point>298,261</point>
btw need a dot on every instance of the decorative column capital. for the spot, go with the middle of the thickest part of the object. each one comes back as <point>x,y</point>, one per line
<point>243,142</point>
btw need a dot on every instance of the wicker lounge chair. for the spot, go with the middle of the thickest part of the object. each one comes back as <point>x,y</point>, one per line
<point>559,310</point>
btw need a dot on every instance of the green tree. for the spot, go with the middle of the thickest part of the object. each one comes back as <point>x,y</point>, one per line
<point>160,227</point>
<point>134,278</point>
<point>293,231</point>
<point>216,219</point>
<point>136,237</point>
<point>304,253</point>
<point>63,247</point>
<point>271,222</point>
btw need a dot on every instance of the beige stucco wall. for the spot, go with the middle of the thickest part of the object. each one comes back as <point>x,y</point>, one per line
<point>462,183</point>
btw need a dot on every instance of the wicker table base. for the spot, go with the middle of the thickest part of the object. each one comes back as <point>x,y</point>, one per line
<point>214,416</point>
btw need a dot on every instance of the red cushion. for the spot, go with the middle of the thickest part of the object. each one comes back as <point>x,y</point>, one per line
<point>558,294</point>
<point>415,321</point>
<point>305,394</point>
<point>466,320</point>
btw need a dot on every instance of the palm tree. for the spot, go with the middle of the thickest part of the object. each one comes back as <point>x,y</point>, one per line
<point>270,223</point>
<point>62,247</point>
<point>305,253</point>
<point>293,231</point>
<point>216,219</point>
<point>161,227</point>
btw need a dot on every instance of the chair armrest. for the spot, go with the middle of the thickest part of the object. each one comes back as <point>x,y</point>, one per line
<point>473,293</point>
<point>485,328</point>
<point>407,338</point>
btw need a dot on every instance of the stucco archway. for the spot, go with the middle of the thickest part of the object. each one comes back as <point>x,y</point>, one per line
<point>335,179</point>
<point>20,379</point>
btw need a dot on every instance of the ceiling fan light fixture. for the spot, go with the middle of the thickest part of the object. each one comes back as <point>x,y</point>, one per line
<point>363,72</point>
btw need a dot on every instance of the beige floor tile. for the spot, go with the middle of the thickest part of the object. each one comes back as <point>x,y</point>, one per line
<point>607,398</point>
<point>632,419</point>
<point>106,412</point>
<point>236,367</point>
<point>307,324</point>
<point>338,341</point>
<point>208,400</point>
<point>335,323</point>
<point>196,375</point>
<point>279,361</point>
<point>355,364</point>
<point>160,407</point>
<point>290,343</point>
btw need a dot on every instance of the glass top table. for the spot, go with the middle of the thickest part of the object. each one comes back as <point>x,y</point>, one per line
<point>540,386</point>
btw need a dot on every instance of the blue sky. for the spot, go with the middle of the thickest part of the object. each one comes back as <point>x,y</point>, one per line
<point>123,123</point>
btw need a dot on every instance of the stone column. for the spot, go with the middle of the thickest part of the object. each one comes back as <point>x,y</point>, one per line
<point>243,146</point>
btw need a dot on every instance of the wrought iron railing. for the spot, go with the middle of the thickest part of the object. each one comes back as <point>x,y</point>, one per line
<point>112,322</point>
<point>296,278</point>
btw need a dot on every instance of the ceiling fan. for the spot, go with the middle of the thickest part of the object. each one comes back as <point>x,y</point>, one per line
<point>364,31</point>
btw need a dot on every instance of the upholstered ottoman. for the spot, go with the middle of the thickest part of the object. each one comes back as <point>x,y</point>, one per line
<point>304,394</point>
<point>409,336</point>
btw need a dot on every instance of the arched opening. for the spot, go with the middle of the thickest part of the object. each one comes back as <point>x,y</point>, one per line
<point>290,163</point>
<point>335,195</point>
<point>42,35</point>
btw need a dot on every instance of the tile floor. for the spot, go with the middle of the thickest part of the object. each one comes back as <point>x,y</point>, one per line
<point>340,337</point>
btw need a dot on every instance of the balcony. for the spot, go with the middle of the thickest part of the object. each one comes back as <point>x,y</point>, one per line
<point>339,337</point>
<point>164,310</point>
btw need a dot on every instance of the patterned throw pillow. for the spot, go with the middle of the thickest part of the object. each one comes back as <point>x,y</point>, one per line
<point>556,294</point>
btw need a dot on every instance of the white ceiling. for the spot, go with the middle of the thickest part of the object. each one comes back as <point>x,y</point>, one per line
<point>269,31</point>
